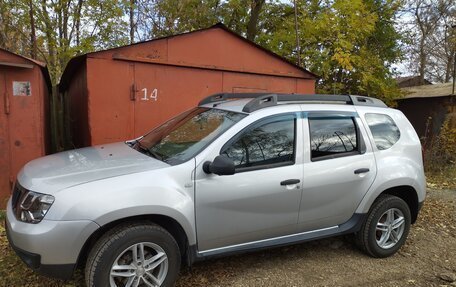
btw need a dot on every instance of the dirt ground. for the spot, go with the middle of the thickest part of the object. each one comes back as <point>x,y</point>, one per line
<point>427,259</point>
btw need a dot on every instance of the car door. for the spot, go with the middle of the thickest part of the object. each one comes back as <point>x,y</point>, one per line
<point>257,202</point>
<point>339,168</point>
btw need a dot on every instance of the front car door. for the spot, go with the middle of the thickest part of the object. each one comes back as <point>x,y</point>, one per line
<point>339,168</point>
<point>255,203</point>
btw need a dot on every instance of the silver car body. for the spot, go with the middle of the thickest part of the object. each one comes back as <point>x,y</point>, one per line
<point>96,186</point>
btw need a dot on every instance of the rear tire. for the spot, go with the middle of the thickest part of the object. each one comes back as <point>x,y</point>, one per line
<point>134,253</point>
<point>386,227</point>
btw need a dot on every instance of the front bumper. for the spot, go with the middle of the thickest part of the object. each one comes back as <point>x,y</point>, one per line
<point>32,260</point>
<point>49,247</point>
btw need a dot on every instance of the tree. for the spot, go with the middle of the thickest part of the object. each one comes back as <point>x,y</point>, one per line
<point>431,38</point>
<point>131,12</point>
<point>156,18</point>
<point>167,17</point>
<point>55,30</point>
<point>252,25</point>
<point>14,27</point>
<point>351,44</point>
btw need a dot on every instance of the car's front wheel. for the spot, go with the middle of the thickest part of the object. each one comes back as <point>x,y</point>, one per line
<point>136,255</point>
<point>386,227</point>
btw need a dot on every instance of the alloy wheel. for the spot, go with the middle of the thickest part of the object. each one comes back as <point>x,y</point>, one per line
<point>142,264</point>
<point>390,228</point>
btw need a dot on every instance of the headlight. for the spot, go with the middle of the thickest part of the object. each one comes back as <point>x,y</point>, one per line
<point>33,206</point>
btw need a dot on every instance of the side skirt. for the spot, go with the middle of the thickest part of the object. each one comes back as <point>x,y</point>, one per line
<point>351,226</point>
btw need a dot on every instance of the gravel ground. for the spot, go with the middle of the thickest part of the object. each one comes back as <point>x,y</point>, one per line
<point>427,259</point>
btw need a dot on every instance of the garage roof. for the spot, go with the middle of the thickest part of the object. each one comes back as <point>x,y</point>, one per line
<point>428,91</point>
<point>75,62</point>
<point>26,63</point>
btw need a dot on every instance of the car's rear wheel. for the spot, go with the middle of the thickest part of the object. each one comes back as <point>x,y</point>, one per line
<point>134,255</point>
<point>386,227</point>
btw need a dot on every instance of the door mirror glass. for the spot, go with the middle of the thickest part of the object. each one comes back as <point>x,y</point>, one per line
<point>220,166</point>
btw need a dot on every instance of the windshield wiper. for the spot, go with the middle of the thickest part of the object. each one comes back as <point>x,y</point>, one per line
<point>155,154</point>
<point>147,151</point>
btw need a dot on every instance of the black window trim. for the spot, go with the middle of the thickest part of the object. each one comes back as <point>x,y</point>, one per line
<point>337,115</point>
<point>294,115</point>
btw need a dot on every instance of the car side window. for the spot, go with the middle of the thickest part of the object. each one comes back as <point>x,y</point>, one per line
<point>333,137</point>
<point>383,129</point>
<point>268,143</point>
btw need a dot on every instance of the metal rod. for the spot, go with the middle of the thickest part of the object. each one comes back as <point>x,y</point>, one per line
<point>298,46</point>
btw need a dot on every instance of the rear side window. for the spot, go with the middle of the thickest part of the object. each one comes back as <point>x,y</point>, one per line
<point>383,129</point>
<point>332,137</point>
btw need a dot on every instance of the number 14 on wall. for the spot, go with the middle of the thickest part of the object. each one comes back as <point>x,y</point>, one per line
<point>153,95</point>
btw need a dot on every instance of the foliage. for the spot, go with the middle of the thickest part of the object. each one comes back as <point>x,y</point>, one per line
<point>157,18</point>
<point>440,157</point>
<point>60,29</point>
<point>12,28</point>
<point>351,44</point>
<point>447,138</point>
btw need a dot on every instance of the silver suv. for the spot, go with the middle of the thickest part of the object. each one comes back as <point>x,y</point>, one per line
<point>240,172</point>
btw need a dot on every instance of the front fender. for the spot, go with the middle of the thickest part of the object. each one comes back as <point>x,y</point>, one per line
<point>133,211</point>
<point>111,199</point>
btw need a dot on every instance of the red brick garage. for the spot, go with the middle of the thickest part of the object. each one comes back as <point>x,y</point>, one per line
<point>24,86</point>
<point>121,93</point>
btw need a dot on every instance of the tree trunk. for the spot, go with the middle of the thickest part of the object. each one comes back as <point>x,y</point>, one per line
<point>132,21</point>
<point>34,48</point>
<point>78,22</point>
<point>422,67</point>
<point>255,11</point>
<point>424,33</point>
<point>51,43</point>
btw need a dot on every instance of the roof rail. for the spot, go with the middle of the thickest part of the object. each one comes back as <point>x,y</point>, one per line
<point>263,100</point>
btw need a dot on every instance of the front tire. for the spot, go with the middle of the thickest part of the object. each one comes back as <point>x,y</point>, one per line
<point>386,227</point>
<point>135,254</point>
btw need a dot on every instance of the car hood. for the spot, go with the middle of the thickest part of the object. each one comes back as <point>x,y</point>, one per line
<point>55,172</point>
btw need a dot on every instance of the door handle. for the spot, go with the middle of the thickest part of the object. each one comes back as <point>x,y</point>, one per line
<point>361,170</point>
<point>290,181</point>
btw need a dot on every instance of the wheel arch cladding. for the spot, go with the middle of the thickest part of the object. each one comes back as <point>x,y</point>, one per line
<point>166,222</point>
<point>407,194</point>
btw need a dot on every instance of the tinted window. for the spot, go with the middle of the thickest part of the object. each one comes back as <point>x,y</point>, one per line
<point>332,136</point>
<point>384,130</point>
<point>272,142</point>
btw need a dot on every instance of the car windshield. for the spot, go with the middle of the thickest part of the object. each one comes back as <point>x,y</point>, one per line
<point>184,136</point>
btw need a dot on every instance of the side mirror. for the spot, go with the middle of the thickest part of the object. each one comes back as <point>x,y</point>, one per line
<point>221,165</point>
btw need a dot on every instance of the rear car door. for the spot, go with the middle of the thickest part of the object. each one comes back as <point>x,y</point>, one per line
<point>339,168</point>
